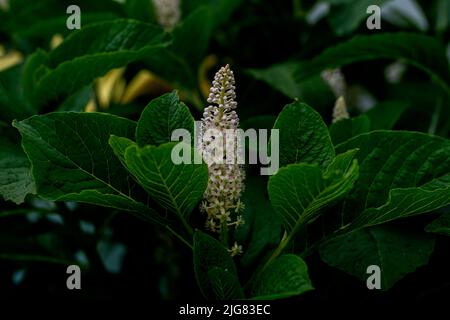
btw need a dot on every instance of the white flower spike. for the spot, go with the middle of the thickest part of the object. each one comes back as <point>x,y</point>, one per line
<point>222,203</point>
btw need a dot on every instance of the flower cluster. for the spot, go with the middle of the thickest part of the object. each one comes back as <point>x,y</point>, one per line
<point>222,203</point>
<point>168,13</point>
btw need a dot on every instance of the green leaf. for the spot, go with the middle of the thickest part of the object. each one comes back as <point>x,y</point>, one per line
<point>440,225</point>
<point>348,128</point>
<point>225,284</point>
<point>281,77</point>
<point>298,192</point>
<point>262,228</point>
<point>43,31</point>
<point>15,176</point>
<point>382,246</point>
<point>407,202</point>
<point>46,14</point>
<point>174,187</point>
<point>347,17</point>
<point>303,136</point>
<point>418,50</point>
<point>284,277</point>
<point>221,9</point>
<point>214,269</point>
<point>119,146</point>
<point>140,10</point>
<point>105,45</point>
<point>29,74</point>
<point>161,117</point>
<point>191,38</point>
<point>72,161</point>
<point>12,101</point>
<point>385,115</point>
<point>401,173</point>
<point>179,63</point>
<point>171,67</point>
<point>78,101</point>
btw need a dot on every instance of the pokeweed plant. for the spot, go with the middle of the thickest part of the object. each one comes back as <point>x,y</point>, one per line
<point>340,190</point>
<point>106,160</point>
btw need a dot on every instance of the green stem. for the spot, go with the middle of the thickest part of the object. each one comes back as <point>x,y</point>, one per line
<point>179,237</point>
<point>224,234</point>
<point>281,246</point>
<point>186,225</point>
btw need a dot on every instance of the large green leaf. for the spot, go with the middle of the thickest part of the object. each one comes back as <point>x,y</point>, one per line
<point>161,117</point>
<point>225,284</point>
<point>384,115</point>
<point>179,63</point>
<point>78,100</point>
<point>140,10</point>
<point>72,161</point>
<point>174,187</point>
<point>298,192</point>
<point>191,38</point>
<point>303,136</point>
<point>408,202</point>
<point>220,9</point>
<point>119,146</point>
<point>401,173</point>
<point>44,15</point>
<point>284,277</point>
<point>440,225</point>
<point>396,251</point>
<point>91,52</point>
<point>12,101</point>
<point>282,77</point>
<point>418,50</point>
<point>346,17</point>
<point>262,228</point>
<point>345,129</point>
<point>15,176</point>
<point>214,269</point>
<point>43,31</point>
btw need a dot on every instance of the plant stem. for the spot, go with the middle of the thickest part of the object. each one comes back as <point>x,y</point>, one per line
<point>281,246</point>
<point>186,225</point>
<point>224,234</point>
<point>179,237</point>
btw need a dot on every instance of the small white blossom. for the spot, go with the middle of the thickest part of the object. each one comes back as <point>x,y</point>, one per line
<point>235,250</point>
<point>168,13</point>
